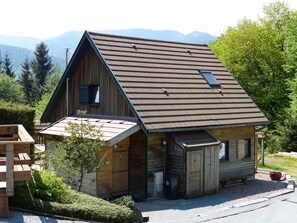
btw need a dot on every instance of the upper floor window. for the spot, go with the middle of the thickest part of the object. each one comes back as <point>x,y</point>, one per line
<point>89,94</point>
<point>210,78</point>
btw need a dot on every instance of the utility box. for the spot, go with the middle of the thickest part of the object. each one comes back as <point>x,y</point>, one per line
<point>171,186</point>
<point>158,184</point>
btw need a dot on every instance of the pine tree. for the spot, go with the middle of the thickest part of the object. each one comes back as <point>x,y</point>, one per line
<point>7,66</point>
<point>27,81</point>
<point>42,64</point>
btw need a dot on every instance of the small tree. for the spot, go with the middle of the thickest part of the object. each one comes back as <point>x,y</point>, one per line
<point>77,153</point>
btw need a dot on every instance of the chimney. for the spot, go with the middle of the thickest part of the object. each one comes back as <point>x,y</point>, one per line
<point>67,56</point>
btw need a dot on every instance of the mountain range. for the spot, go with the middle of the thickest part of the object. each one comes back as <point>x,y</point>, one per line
<point>18,48</point>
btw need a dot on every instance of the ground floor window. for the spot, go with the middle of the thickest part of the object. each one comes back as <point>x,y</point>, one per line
<point>224,151</point>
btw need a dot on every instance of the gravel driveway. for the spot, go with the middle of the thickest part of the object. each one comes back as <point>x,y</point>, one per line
<point>181,210</point>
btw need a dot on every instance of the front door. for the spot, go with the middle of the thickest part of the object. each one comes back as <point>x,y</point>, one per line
<point>194,175</point>
<point>120,172</point>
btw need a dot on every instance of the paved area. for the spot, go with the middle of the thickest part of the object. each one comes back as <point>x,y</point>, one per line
<point>195,210</point>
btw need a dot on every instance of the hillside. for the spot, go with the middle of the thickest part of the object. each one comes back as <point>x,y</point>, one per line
<point>18,48</point>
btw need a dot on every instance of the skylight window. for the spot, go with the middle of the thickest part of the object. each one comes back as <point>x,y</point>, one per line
<point>208,76</point>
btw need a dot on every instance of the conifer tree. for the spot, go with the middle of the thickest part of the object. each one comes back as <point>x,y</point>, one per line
<point>27,81</point>
<point>7,66</point>
<point>42,64</point>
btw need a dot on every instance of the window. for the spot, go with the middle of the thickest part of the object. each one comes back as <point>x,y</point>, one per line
<point>224,151</point>
<point>244,148</point>
<point>89,94</point>
<point>208,76</point>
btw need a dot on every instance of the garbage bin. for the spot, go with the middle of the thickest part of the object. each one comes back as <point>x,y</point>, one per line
<point>171,186</point>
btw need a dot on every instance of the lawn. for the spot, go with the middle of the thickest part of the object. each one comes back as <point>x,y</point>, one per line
<point>280,163</point>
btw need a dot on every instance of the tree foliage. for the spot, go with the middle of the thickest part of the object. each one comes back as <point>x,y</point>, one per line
<point>254,52</point>
<point>10,90</point>
<point>77,153</point>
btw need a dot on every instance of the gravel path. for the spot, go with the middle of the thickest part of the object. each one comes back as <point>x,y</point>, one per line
<point>181,210</point>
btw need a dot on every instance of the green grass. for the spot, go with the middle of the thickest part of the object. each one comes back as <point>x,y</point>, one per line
<point>280,163</point>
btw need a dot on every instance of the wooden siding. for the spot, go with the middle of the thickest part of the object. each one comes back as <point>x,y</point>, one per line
<point>155,159</point>
<point>162,81</point>
<point>91,71</point>
<point>236,168</point>
<point>112,180</point>
<point>137,165</point>
<point>211,169</point>
<point>175,163</point>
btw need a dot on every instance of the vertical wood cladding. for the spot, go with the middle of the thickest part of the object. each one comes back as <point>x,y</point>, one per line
<point>137,165</point>
<point>155,159</point>
<point>235,168</point>
<point>91,71</point>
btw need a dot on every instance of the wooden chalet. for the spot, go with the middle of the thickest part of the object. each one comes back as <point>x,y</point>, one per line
<point>191,119</point>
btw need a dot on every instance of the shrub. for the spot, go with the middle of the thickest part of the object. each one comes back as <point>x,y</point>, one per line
<point>75,204</point>
<point>47,186</point>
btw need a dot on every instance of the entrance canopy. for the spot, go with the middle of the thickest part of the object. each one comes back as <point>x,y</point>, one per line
<point>188,140</point>
<point>113,129</point>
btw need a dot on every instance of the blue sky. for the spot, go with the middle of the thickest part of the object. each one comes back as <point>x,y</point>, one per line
<point>45,19</point>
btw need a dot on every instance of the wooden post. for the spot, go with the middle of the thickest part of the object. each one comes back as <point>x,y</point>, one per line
<point>4,211</point>
<point>9,170</point>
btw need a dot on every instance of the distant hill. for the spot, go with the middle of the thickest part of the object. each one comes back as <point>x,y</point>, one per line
<point>18,48</point>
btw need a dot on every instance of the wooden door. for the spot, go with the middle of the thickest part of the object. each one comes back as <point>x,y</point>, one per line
<point>194,174</point>
<point>120,172</point>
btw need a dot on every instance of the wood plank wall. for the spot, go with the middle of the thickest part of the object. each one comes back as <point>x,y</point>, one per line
<point>235,168</point>
<point>91,71</point>
<point>211,170</point>
<point>175,163</point>
<point>137,165</point>
<point>155,159</point>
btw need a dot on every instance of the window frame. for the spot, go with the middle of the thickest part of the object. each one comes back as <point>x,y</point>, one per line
<point>226,156</point>
<point>88,94</point>
<point>210,78</point>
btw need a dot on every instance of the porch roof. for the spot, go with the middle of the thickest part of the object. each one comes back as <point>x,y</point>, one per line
<point>113,129</point>
<point>190,140</point>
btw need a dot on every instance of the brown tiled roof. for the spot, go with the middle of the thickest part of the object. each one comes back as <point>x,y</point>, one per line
<point>162,82</point>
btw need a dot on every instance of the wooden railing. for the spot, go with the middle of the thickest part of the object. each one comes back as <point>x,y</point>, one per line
<point>14,161</point>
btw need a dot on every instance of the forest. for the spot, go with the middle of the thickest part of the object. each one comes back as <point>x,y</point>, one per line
<point>261,54</point>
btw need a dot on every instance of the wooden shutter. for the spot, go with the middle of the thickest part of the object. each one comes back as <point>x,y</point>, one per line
<point>240,149</point>
<point>84,94</point>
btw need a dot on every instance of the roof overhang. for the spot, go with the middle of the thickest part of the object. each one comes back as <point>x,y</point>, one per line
<point>112,130</point>
<point>191,140</point>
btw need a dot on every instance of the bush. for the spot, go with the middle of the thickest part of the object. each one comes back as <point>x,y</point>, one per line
<point>46,186</point>
<point>75,204</point>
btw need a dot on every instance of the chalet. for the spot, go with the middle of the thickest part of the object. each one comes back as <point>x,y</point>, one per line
<point>167,109</point>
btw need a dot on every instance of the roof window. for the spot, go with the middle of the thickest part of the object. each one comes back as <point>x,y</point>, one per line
<point>208,76</point>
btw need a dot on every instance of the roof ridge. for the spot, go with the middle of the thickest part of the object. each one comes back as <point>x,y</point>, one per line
<point>145,39</point>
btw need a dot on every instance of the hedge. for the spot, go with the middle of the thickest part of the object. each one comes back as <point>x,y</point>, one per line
<point>11,113</point>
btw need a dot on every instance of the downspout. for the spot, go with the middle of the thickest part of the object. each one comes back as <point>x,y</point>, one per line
<point>67,96</point>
